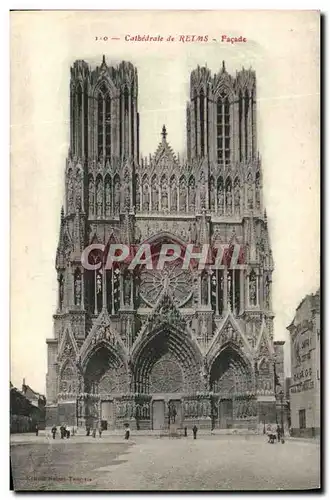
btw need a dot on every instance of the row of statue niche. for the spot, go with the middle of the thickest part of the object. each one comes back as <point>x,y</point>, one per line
<point>166,196</point>
<point>195,409</point>
<point>161,197</point>
<point>245,409</point>
<point>108,198</point>
<point>68,386</point>
<point>125,409</point>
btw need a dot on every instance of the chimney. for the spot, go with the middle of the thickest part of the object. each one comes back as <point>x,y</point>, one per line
<point>24,386</point>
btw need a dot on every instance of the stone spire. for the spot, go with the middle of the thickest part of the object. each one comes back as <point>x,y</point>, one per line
<point>164,133</point>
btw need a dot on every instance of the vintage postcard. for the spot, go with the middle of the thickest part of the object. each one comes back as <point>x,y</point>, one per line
<point>165,250</point>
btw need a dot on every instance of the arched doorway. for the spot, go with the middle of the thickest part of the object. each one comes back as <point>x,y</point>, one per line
<point>231,382</point>
<point>167,366</point>
<point>105,376</point>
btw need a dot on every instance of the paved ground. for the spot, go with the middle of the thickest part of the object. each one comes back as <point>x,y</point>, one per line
<point>148,463</point>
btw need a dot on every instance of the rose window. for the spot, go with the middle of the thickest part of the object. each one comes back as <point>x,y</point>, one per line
<point>166,376</point>
<point>176,280</point>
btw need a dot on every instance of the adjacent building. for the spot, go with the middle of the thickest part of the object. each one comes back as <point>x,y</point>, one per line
<point>147,345</point>
<point>27,409</point>
<point>305,367</point>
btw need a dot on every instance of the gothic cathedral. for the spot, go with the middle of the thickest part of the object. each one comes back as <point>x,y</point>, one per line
<point>143,346</point>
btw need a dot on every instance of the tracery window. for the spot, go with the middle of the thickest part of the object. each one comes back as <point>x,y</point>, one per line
<point>223,129</point>
<point>104,123</point>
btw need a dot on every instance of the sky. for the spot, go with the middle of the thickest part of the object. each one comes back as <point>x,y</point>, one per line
<point>283,49</point>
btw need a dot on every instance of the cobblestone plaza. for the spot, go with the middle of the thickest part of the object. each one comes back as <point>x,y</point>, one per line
<point>224,462</point>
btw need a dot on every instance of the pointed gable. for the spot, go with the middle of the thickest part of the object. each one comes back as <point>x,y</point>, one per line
<point>228,332</point>
<point>102,331</point>
<point>164,156</point>
<point>68,347</point>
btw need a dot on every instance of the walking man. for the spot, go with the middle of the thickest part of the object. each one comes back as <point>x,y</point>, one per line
<point>195,429</point>
<point>54,430</point>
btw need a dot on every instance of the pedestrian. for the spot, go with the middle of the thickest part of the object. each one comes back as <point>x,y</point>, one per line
<point>278,432</point>
<point>88,430</point>
<point>67,432</point>
<point>195,429</point>
<point>100,431</point>
<point>94,432</point>
<point>185,432</point>
<point>127,432</point>
<point>62,431</point>
<point>54,430</point>
<point>37,430</point>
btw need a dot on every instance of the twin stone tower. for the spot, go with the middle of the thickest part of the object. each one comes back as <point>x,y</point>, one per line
<point>145,346</point>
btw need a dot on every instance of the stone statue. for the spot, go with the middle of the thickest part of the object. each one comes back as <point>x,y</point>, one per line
<point>258,191</point>
<point>61,290</point>
<point>212,194</point>
<point>267,293</point>
<point>117,195</point>
<point>70,192</point>
<point>172,413</point>
<point>174,196</point>
<point>127,192</point>
<point>99,195</point>
<point>237,198</point>
<point>154,196</point>
<point>137,194</point>
<point>220,200</point>
<point>108,198</point>
<point>78,190</point>
<point>249,191</point>
<point>192,232</point>
<point>202,191</point>
<point>98,283</point>
<point>182,196</point>
<point>127,290</point>
<point>77,290</point>
<point>204,289</point>
<point>192,195</point>
<point>164,196</point>
<point>229,199</point>
<point>253,289</point>
<point>145,198</point>
<point>91,197</point>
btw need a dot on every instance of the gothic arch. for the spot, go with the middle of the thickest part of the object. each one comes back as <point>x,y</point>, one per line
<point>103,361</point>
<point>172,346</point>
<point>230,370</point>
<point>105,86</point>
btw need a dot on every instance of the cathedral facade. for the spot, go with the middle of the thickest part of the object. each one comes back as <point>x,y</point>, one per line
<point>143,346</point>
